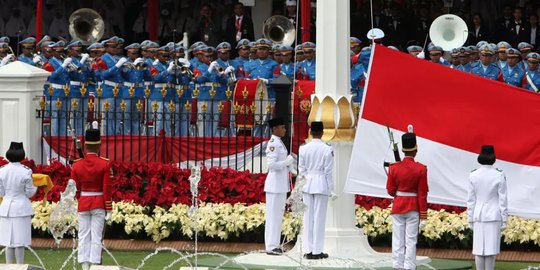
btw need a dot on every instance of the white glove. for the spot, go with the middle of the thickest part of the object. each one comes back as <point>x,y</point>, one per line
<point>67,61</point>
<point>108,215</point>
<point>333,196</point>
<point>121,62</point>
<point>212,66</point>
<point>184,62</point>
<point>422,224</point>
<point>229,69</point>
<point>292,169</point>
<point>289,160</point>
<point>265,81</point>
<point>36,59</point>
<point>170,69</point>
<point>6,59</point>
<point>137,61</point>
<point>84,57</point>
<point>155,62</point>
<point>421,55</point>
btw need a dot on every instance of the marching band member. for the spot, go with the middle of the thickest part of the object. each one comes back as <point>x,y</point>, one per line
<point>512,73</point>
<point>78,77</point>
<point>307,67</point>
<point>28,46</point>
<point>59,79</point>
<point>242,49</point>
<point>112,81</point>
<point>162,74</point>
<point>132,90</point>
<point>532,76</point>
<point>486,68</point>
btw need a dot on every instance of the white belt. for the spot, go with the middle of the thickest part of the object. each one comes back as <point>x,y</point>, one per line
<point>160,85</point>
<point>148,83</point>
<point>316,172</point>
<point>207,84</point>
<point>74,83</point>
<point>91,193</point>
<point>129,84</point>
<point>111,83</point>
<point>406,194</point>
<point>57,86</point>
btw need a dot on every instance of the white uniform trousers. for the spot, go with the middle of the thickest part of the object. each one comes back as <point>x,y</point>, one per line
<point>275,208</point>
<point>314,222</point>
<point>91,224</point>
<point>404,238</point>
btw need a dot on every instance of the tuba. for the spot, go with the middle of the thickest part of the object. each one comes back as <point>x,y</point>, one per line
<point>448,31</point>
<point>86,25</point>
<point>280,30</point>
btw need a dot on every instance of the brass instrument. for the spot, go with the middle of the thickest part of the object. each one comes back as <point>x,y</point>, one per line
<point>140,66</point>
<point>231,77</point>
<point>448,31</point>
<point>86,25</point>
<point>280,30</point>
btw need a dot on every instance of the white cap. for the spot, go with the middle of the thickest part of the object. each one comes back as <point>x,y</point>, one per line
<point>375,33</point>
<point>290,2</point>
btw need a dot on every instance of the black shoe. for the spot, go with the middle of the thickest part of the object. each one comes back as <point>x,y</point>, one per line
<point>275,251</point>
<point>308,255</point>
<point>319,256</point>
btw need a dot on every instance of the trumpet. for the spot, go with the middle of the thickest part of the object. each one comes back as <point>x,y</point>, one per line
<point>185,70</point>
<point>231,77</point>
<point>140,66</point>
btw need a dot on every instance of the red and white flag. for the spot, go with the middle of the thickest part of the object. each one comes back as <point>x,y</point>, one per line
<point>453,113</point>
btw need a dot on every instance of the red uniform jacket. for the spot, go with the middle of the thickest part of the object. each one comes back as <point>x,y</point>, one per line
<point>408,176</point>
<point>91,174</point>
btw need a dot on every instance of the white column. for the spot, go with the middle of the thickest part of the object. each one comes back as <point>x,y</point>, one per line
<point>333,58</point>
<point>21,86</point>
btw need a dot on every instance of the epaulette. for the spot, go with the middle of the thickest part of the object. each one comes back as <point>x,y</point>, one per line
<point>498,169</point>
<point>79,159</point>
<point>27,167</point>
<point>104,158</point>
<point>474,170</point>
<point>272,140</point>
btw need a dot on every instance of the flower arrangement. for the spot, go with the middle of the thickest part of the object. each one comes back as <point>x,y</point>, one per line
<point>152,200</point>
<point>221,221</point>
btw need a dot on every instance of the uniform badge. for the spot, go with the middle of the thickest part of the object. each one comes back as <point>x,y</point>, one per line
<point>272,148</point>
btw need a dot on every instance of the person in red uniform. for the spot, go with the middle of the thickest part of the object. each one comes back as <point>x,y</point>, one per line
<point>407,183</point>
<point>91,174</point>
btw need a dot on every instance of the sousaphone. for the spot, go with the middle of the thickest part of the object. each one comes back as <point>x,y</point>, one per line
<point>448,31</point>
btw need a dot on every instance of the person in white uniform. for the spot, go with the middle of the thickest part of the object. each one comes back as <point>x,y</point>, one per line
<point>316,161</point>
<point>16,187</point>
<point>276,186</point>
<point>487,209</point>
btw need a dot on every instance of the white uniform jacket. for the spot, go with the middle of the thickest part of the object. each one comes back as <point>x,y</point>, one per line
<point>16,186</point>
<point>316,161</point>
<point>487,200</point>
<point>277,180</point>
